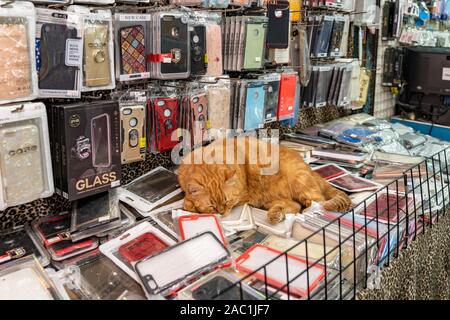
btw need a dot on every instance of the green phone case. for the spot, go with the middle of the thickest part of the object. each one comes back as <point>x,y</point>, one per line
<point>254,45</point>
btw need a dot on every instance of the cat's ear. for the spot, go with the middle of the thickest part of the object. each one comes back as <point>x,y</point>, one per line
<point>230,176</point>
<point>194,188</point>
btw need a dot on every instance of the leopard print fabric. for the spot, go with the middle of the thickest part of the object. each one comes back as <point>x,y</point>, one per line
<point>421,272</point>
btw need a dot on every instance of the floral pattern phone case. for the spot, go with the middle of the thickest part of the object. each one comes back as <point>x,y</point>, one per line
<point>132,46</point>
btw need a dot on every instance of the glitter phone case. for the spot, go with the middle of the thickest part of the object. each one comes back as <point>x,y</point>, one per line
<point>21,166</point>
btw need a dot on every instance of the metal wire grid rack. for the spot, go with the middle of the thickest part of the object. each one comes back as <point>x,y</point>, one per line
<point>358,244</point>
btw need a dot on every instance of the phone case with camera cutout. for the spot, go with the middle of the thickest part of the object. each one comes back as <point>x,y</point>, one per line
<point>133,132</point>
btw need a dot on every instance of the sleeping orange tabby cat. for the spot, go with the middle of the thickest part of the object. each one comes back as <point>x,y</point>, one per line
<point>211,186</point>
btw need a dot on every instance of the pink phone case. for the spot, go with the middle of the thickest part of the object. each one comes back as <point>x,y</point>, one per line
<point>214,50</point>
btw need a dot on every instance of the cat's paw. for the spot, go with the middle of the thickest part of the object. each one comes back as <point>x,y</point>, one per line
<point>275,215</point>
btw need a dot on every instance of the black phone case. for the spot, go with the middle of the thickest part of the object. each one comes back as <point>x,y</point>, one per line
<point>54,74</point>
<point>174,39</point>
<point>278,25</point>
<point>198,50</point>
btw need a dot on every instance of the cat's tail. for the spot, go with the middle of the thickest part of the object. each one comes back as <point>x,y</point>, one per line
<point>336,200</point>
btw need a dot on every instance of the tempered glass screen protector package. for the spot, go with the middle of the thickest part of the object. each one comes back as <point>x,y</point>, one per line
<point>18,77</point>
<point>150,190</point>
<point>25,163</point>
<point>140,242</point>
<point>59,38</point>
<point>132,34</point>
<point>90,148</point>
<point>25,279</point>
<point>173,267</point>
<point>98,57</point>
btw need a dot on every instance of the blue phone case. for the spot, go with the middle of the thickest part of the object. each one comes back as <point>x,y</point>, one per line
<point>254,107</point>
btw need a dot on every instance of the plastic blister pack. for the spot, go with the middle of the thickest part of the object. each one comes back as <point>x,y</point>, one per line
<point>24,279</point>
<point>25,163</point>
<point>59,38</point>
<point>132,34</point>
<point>219,285</point>
<point>195,224</point>
<point>140,242</point>
<point>172,268</point>
<point>275,270</point>
<point>214,47</point>
<point>239,219</point>
<point>219,105</point>
<point>151,190</point>
<point>254,106</point>
<point>99,278</point>
<point>95,214</point>
<point>261,221</point>
<point>18,77</point>
<point>170,52</point>
<point>20,242</point>
<point>98,48</point>
<point>54,233</point>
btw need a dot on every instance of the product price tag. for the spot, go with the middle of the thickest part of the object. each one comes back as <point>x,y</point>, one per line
<point>74,53</point>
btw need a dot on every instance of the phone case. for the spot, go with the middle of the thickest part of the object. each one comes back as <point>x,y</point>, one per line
<point>144,246</point>
<point>133,132</point>
<point>286,102</point>
<point>15,66</point>
<point>214,50</point>
<point>168,268</point>
<point>278,25</point>
<point>174,40</point>
<point>219,106</point>
<point>254,106</point>
<point>193,225</point>
<point>337,36</point>
<point>53,229</point>
<point>198,105</point>
<point>165,123</point>
<point>276,264</point>
<point>18,243</point>
<point>199,57</point>
<point>254,45</point>
<point>101,141</point>
<point>272,89</point>
<point>54,74</point>
<point>132,54</point>
<point>96,55</point>
<point>21,166</point>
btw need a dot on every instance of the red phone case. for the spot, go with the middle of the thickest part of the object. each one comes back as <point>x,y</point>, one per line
<point>144,246</point>
<point>286,100</point>
<point>165,122</point>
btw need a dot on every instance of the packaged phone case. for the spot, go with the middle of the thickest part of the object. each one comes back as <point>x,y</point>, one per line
<point>95,214</point>
<point>140,242</point>
<point>324,36</point>
<point>25,279</point>
<point>219,104</point>
<point>54,233</point>
<point>195,224</point>
<point>59,39</point>
<point>151,190</point>
<point>20,242</point>
<point>133,126</point>
<point>169,270</point>
<point>276,264</point>
<point>25,163</point>
<point>18,77</point>
<point>98,57</point>
<point>254,106</point>
<point>261,221</point>
<point>219,285</point>
<point>278,24</point>
<point>255,35</point>
<point>199,55</point>
<point>132,34</point>
<point>170,51</point>
<point>214,49</point>
<point>286,101</point>
<point>99,278</point>
<point>163,116</point>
